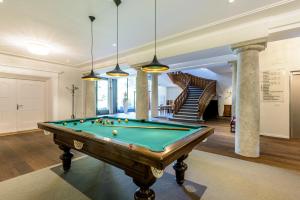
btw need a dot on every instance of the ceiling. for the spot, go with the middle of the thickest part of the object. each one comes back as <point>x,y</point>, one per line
<point>63,25</point>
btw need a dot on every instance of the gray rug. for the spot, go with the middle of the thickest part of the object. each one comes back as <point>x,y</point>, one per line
<point>101,181</point>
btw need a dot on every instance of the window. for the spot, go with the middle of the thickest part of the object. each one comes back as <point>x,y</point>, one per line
<point>126,91</point>
<point>102,97</point>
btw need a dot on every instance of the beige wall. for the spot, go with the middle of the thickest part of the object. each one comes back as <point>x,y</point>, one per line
<point>280,55</point>
<point>57,78</point>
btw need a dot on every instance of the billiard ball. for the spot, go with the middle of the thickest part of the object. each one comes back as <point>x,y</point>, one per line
<point>100,120</point>
<point>126,120</point>
<point>114,132</point>
<point>119,120</point>
<point>81,121</point>
<point>65,123</point>
<point>92,121</point>
<point>112,122</point>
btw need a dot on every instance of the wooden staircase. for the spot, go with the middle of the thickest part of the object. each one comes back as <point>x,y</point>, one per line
<point>197,93</point>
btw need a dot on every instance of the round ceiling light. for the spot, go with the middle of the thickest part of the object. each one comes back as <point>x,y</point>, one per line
<point>38,48</point>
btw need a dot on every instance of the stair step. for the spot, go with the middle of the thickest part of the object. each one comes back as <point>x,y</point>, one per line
<point>187,110</point>
<point>185,120</point>
<point>187,113</point>
<point>185,117</point>
<point>190,104</point>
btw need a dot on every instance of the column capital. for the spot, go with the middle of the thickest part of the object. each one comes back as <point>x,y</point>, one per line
<point>256,45</point>
<point>232,62</point>
<point>138,67</point>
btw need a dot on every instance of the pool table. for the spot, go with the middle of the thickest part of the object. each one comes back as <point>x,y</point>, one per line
<point>143,149</point>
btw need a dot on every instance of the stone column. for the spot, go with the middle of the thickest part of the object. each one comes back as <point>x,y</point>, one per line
<point>154,95</point>
<point>233,94</point>
<point>90,98</point>
<point>247,139</point>
<point>142,99</point>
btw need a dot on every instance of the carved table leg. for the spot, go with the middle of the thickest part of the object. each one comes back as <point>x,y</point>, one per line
<point>144,192</point>
<point>180,167</point>
<point>66,157</point>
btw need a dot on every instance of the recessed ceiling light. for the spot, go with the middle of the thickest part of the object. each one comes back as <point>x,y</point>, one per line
<point>231,1</point>
<point>38,48</point>
<point>114,44</point>
<point>1,1</point>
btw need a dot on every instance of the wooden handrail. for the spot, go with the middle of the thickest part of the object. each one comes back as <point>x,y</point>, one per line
<point>208,93</point>
<point>184,80</point>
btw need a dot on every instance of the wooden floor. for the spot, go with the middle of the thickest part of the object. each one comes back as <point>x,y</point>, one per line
<point>276,152</point>
<point>27,152</point>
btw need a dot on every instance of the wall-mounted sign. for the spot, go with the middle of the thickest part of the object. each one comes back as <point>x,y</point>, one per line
<point>272,86</point>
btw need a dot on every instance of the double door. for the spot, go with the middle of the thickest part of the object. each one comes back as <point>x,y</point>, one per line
<point>22,104</point>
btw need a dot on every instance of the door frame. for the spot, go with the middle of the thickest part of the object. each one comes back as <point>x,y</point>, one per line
<point>47,89</point>
<point>292,73</point>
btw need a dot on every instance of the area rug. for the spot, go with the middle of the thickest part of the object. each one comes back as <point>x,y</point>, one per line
<point>209,177</point>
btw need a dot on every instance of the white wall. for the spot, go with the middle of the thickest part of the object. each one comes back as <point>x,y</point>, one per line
<point>173,93</point>
<point>57,78</point>
<point>162,95</point>
<point>280,55</point>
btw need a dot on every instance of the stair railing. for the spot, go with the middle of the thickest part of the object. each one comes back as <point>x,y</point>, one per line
<point>179,101</point>
<point>208,93</point>
<point>185,80</point>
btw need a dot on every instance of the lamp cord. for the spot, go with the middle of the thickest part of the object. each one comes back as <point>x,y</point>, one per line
<point>92,45</point>
<point>117,34</point>
<point>155,24</point>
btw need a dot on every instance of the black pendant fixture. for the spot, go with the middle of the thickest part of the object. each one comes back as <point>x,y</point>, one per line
<point>117,72</point>
<point>91,76</point>
<point>155,66</point>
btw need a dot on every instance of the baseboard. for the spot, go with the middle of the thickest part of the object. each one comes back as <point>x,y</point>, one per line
<point>19,132</point>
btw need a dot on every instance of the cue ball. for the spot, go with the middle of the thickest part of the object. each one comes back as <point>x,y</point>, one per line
<point>114,132</point>
<point>81,121</point>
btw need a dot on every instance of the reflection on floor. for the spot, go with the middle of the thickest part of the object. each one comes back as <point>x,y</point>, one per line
<point>27,152</point>
<point>132,115</point>
<point>210,177</point>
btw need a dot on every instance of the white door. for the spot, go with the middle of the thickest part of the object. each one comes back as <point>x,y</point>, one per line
<point>8,105</point>
<point>30,104</point>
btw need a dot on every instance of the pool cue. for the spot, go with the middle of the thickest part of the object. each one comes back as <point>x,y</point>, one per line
<point>150,127</point>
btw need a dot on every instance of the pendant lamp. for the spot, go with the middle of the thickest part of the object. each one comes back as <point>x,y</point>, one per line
<point>117,72</point>
<point>155,66</point>
<point>92,76</point>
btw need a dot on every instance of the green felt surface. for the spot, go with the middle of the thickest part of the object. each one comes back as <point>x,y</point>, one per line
<point>153,139</point>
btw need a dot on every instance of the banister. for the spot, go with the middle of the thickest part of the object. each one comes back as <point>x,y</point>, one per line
<point>208,93</point>
<point>184,80</point>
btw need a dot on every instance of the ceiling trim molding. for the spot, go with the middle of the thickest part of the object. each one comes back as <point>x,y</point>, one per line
<point>37,60</point>
<point>189,33</point>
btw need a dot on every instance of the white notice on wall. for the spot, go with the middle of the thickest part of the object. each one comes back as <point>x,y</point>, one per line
<point>272,86</point>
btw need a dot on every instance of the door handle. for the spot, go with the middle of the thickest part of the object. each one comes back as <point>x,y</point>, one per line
<point>19,106</point>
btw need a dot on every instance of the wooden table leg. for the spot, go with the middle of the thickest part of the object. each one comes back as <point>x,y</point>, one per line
<point>144,179</point>
<point>66,157</point>
<point>144,192</point>
<point>180,167</point>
